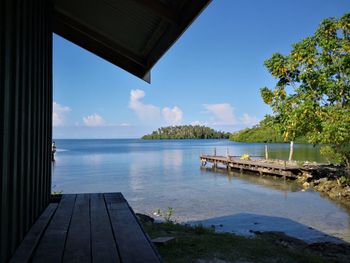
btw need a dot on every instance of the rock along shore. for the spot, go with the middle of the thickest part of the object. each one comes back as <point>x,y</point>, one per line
<point>330,180</point>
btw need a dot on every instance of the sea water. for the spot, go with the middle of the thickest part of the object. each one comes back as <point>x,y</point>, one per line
<point>158,174</point>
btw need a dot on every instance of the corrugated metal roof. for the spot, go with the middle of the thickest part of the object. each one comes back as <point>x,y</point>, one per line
<point>132,34</point>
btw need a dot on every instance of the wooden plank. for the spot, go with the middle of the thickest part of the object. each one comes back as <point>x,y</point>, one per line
<point>225,160</point>
<point>32,238</point>
<point>113,198</point>
<point>103,246</point>
<point>263,170</point>
<point>52,244</point>
<point>133,245</point>
<point>161,241</point>
<point>254,166</point>
<point>78,244</point>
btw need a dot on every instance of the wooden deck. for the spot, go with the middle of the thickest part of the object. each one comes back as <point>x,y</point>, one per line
<point>230,162</point>
<point>87,228</point>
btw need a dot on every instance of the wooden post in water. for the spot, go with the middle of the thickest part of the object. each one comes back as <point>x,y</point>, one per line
<point>266,153</point>
<point>214,151</point>
<point>291,150</point>
<point>227,153</point>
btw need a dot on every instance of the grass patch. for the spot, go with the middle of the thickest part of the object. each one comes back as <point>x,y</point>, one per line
<point>200,244</point>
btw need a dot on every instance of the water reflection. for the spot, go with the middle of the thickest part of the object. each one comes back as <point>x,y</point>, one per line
<point>268,181</point>
<point>172,160</point>
<point>92,159</point>
<point>135,175</point>
<point>159,174</point>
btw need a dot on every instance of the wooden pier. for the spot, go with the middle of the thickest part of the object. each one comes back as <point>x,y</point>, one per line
<point>257,166</point>
<point>87,228</point>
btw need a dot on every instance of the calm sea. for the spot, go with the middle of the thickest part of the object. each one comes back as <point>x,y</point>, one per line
<point>162,174</point>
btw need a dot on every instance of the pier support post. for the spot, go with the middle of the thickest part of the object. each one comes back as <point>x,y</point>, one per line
<point>266,153</point>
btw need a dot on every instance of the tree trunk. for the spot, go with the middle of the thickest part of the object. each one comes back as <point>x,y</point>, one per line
<point>291,150</point>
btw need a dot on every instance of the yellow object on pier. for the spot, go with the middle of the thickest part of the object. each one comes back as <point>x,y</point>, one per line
<point>245,157</point>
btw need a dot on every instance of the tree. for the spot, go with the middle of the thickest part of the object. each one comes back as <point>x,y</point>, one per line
<point>312,93</point>
<point>186,132</point>
<point>266,131</point>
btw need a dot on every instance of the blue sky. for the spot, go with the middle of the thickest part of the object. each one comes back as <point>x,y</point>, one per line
<point>211,76</point>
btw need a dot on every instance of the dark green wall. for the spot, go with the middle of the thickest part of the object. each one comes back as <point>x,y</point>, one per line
<point>25,117</point>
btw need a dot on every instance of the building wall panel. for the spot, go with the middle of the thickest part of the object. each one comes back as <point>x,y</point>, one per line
<point>25,117</point>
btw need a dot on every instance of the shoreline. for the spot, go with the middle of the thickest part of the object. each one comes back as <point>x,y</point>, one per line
<point>329,180</point>
<point>262,246</point>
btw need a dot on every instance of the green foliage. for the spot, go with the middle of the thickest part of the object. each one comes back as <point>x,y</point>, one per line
<point>343,180</point>
<point>57,192</point>
<point>202,230</point>
<point>312,94</point>
<point>201,244</point>
<point>166,214</point>
<point>266,131</point>
<point>186,132</point>
<point>330,155</point>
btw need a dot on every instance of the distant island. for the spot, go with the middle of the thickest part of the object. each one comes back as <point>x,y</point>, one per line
<point>265,131</point>
<point>186,132</point>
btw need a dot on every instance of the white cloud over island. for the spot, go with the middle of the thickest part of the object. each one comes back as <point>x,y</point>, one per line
<point>172,115</point>
<point>249,120</point>
<point>151,113</point>
<point>222,114</point>
<point>145,112</point>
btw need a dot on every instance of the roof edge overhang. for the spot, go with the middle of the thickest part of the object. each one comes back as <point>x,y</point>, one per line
<point>140,66</point>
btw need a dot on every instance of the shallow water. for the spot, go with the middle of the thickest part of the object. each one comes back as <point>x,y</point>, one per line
<point>161,174</point>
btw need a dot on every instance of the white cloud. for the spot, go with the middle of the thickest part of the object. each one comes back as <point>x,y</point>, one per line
<point>222,113</point>
<point>125,124</point>
<point>94,120</point>
<point>152,113</point>
<point>172,116</point>
<point>249,120</point>
<point>136,94</point>
<point>58,114</point>
<point>146,112</point>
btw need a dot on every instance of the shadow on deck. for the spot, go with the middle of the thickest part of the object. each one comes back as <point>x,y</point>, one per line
<point>87,228</point>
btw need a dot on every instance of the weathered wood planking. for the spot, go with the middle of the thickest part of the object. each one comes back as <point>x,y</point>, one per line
<point>103,244</point>
<point>132,242</point>
<point>53,242</point>
<point>33,237</point>
<point>78,243</point>
<point>87,228</point>
<point>253,166</point>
